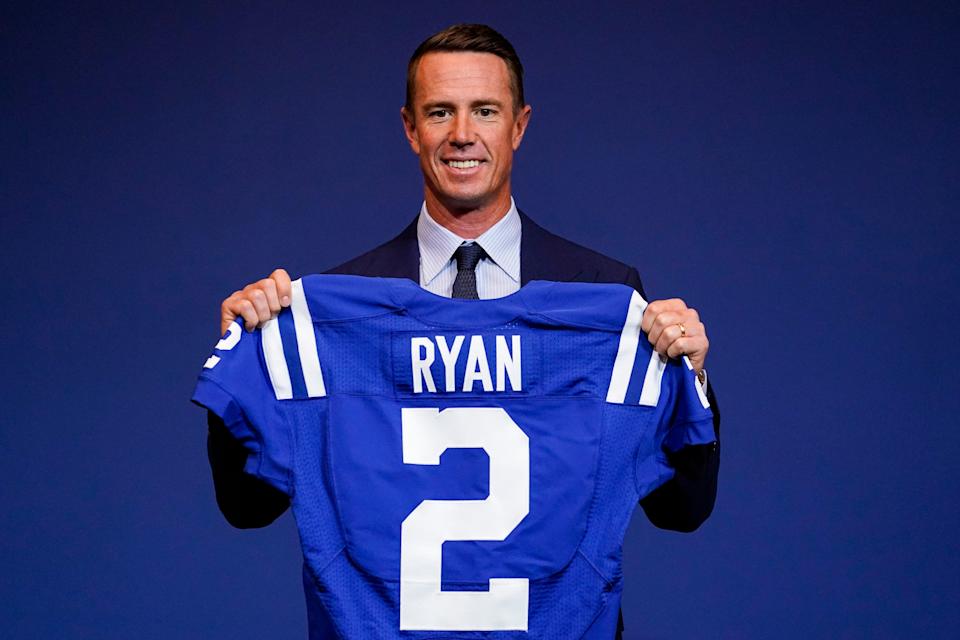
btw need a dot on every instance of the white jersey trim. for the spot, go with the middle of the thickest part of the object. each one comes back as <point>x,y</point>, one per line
<point>627,351</point>
<point>306,341</point>
<point>276,362</point>
<point>653,379</point>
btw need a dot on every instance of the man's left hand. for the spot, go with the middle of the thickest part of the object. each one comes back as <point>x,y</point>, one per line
<point>675,330</point>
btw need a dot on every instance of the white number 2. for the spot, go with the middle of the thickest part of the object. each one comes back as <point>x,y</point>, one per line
<point>226,343</point>
<point>427,433</point>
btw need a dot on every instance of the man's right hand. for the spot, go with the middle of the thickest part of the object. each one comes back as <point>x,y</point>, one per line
<point>257,302</point>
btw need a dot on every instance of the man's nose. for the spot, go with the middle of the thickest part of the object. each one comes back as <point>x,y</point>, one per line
<point>461,134</point>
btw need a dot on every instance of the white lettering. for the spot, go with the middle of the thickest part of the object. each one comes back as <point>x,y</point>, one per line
<point>474,368</point>
<point>421,357</point>
<point>508,364</point>
<point>477,367</point>
<point>449,356</point>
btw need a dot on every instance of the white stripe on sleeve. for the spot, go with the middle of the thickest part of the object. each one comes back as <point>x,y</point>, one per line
<point>306,342</point>
<point>650,395</point>
<point>627,351</point>
<point>276,362</point>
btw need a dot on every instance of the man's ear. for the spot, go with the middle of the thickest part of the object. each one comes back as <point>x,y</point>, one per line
<point>410,129</point>
<point>520,126</point>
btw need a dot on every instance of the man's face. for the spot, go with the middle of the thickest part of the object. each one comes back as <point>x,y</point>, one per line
<point>464,129</point>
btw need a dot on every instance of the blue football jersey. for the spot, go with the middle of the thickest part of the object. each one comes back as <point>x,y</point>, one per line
<point>457,468</point>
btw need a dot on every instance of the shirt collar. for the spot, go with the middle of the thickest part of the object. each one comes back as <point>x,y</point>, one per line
<point>501,242</point>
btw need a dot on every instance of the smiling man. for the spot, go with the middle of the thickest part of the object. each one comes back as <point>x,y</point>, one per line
<point>464,117</point>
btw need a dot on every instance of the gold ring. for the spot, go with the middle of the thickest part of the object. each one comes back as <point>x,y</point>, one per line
<point>683,330</point>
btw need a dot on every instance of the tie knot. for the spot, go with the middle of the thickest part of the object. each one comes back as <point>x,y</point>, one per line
<point>468,255</point>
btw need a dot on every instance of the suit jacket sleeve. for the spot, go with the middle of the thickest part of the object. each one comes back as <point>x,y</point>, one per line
<point>245,501</point>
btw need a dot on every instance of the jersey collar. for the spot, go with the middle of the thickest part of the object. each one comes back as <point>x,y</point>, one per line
<point>439,311</point>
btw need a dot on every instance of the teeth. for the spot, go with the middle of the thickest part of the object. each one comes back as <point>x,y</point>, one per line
<point>465,164</point>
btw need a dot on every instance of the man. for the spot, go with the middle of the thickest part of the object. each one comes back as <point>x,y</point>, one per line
<point>464,117</point>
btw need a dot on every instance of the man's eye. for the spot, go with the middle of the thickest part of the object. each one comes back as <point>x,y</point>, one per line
<point>438,113</point>
<point>485,112</point>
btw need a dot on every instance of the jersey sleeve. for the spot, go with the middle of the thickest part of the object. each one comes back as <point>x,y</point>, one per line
<point>681,415</point>
<point>236,385</point>
<point>690,416</point>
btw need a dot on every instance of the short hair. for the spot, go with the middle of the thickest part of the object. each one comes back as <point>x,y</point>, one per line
<point>470,37</point>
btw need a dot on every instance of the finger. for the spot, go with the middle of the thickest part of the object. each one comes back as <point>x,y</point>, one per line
<point>678,347</point>
<point>694,347</point>
<point>691,346</point>
<point>269,289</point>
<point>258,299</point>
<point>660,323</point>
<point>667,337</point>
<point>691,328</point>
<point>657,307</point>
<point>282,280</point>
<point>677,332</point>
<point>243,307</point>
<point>227,314</point>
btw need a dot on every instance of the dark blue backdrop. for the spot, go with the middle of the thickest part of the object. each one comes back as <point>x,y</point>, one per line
<point>791,172</point>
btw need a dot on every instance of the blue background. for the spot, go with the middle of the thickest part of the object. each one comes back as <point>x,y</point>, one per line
<point>790,171</point>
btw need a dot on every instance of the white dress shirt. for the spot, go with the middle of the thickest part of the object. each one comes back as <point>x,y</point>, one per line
<point>498,274</point>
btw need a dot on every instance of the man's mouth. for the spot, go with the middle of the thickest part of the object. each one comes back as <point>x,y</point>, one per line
<point>462,164</point>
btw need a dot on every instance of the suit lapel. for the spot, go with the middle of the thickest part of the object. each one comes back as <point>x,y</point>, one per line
<point>542,256</point>
<point>400,257</point>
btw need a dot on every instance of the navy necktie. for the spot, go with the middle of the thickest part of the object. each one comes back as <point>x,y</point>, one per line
<point>465,286</point>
